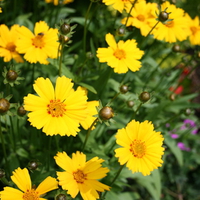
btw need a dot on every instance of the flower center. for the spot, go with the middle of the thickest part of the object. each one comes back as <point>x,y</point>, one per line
<point>56,108</point>
<point>120,54</point>
<point>141,18</point>
<point>38,40</point>
<point>138,148</point>
<point>193,29</point>
<point>10,46</point>
<point>30,195</point>
<point>79,176</point>
<point>170,24</point>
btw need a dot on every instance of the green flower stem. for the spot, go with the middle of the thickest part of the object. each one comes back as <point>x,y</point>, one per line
<point>85,26</point>
<point>4,148</point>
<point>130,12</point>
<point>116,95</point>
<point>88,133</point>
<point>115,178</point>
<point>61,57</point>
<point>134,113</point>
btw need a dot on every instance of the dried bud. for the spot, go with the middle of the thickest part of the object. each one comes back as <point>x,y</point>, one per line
<point>106,113</point>
<point>33,165</point>
<point>163,16</point>
<point>2,173</point>
<point>144,97</point>
<point>121,31</point>
<point>130,104</point>
<point>61,197</point>
<point>4,105</point>
<point>11,75</point>
<point>64,39</point>
<point>65,28</point>
<point>176,48</point>
<point>172,97</point>
<point>21,111</point>
<point>123,89</point>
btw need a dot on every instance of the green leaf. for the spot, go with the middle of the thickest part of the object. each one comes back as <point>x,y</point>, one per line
<point>174,149</point>
<point>89,87</point>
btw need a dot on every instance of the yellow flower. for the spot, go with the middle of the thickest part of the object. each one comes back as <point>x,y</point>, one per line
<point>194,28</point>
<point>8,40</point>
<point>142,16</point>
<point>39,46</point>
<point>121,56</point>
<point>176,29</point>
<point>141,147</point>
<point>57,111</point>
<point>80,175</point>
<point>119,5</point>
<point>0,10</point>
<point>56,2</point>
<point>22,179</point>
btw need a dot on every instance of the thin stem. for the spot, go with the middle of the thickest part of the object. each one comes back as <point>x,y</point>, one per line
<point>116,176</point>
<point>130,12</point>
<point>61,57</point>
<point>85,26</point>
<point>116,95</point>
<point>4,148</point>
<point>136,111</point>
<point>88,133</point>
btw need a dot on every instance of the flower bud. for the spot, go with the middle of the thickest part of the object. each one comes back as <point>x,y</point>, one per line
<point>64,39</point>
<point>21,111</point>
<point>172,97</point>
<point>61,197</point>
<point>123,89</point>
<point>65,28</point>
<point>176,48</point>
<point>188,111</point>
<point>89,55</point>
<point>121,31</point>
<point>163,16</point>
<point>198,54</point>
<point>2,173</point>
<point>33,165</point>
<point>11,75</point>
<point>130,104</point>
<point>4,105</point>
<point>144,97</point>
<point>106,113</point>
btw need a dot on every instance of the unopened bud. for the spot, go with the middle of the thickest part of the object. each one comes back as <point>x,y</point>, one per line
<point>176,48</point>
<point>130,104</point>
<point>121,31</point>
<point>64,39</point>
<point>106,113</point>
<point>21,111</point>
<point>163,16</point>
<point>2,173</point>
<point>144,97</point>
<point>61,197</point>
<point>123,89</point>
<point>172,97</point>
<point>11,75</point>
<point>65,28</point>
<point>33,165</point>
<point>4,105</point>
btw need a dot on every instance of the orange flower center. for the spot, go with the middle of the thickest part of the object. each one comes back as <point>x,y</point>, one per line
<point>11,46</point>
<point>120,54</point>
<point>138,148</point>
<point>170,24</point>
<point>38,41</point>
<point>141,18</point>
<point>193,29</point>
<point>56,108</point>
<point>30,195</point>
<point>79,176</point>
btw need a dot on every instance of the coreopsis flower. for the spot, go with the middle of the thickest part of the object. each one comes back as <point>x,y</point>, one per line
<point>121,56</point>
<point>175,28</point>
<point>8,40</point>
<point>26,190</point>
<point>56,111</point>
<point>56,2</point>
<point>194,28</point>
<point>39,46</point>
<point>142,16</point>
<point>80,175</point>
<point>141,147</point>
